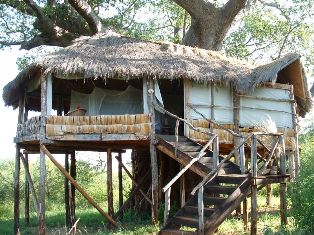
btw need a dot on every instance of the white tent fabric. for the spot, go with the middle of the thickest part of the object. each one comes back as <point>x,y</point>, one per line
<point>109,102</point>
<point>254,110</point>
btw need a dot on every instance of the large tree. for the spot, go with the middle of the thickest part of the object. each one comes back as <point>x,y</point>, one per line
<point>259,25</point>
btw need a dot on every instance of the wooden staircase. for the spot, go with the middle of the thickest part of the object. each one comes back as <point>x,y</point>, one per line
<point>221,195</point>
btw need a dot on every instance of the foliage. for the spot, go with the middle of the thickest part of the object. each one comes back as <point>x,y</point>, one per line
<point>302,191</point>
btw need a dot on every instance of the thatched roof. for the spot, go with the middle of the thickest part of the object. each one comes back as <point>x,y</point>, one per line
<point>111,55</point>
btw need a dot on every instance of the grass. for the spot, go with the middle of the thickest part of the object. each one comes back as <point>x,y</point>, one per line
<point>91,222</point>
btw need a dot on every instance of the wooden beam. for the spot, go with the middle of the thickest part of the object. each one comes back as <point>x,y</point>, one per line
<point>67,194</point>
<point>42,186</point>
<point>254,209</point>
<point>49,94</point>
<point>16,223</point>
<point>72,189</point>
<point>120,178</point>
<point>153,152</point>
<point>77,186</point>
<point>132,194</point>
<point>30,183</point>
<point>283,204</point>
<point>145,96</point>
<point>133,180</point>
<point>167,205</point>
<point>26,190</point>
<point>109,183</point>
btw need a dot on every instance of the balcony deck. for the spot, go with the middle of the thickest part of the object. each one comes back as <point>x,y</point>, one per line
<point>86,132</point>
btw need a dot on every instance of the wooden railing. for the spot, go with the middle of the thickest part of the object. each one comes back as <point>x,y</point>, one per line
<point>249,141</point>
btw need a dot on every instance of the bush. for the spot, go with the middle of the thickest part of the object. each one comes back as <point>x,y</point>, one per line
<point>301,192</point>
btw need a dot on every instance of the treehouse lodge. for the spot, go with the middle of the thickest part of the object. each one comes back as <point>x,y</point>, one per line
<point>206,131</point>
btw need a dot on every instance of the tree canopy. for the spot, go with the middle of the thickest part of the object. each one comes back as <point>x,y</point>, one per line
<point>242,28</point>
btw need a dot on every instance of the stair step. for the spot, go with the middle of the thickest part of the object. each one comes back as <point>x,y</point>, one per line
<point>183,143</point>
<point>231,178</point>
<point>172,138</point>
<point>186,221</point>
<point>206,160</point>
<point>217,189</point>
<point>224,165</point>
<point>187,149</point>
<point>193,210</point>
<point>206,154</point>
<point>213,201</point>
<point>176,232</point>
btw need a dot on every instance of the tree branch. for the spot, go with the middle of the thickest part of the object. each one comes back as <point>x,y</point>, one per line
<point>231,9</point>
<point>196,8</point>
<point>19,6</point>
<point>88,14</point>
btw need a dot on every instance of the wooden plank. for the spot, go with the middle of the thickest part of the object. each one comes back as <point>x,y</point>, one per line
<point>77,186</point>
<point>119,158</point>
<point>16,223</point>
<point>216,152</point>
<point>283,168</point>
<point>109,183</point>
<point>200,205</point>
<point>145,96</point>
<point>167,205</point>
<point>182,188</point>
<point>245,215</point>
<point>254,157</point>
<point>42,186</point>
<point>242,157</point>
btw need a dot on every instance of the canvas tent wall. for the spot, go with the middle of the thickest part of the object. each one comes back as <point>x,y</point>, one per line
<point>264,106</point>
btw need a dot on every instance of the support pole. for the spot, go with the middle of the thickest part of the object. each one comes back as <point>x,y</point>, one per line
<point>120,183</point>
<point>253,209</point>
<point>283,204</point>
<point>153,152</point>
<point>77,186</point>
<point>109,183</point>
<point>182,188</point>
<point>67,194</point>
<point>26,192</point>
<point>269,194</point>
<point>72,190</point>
<point>16,224</point>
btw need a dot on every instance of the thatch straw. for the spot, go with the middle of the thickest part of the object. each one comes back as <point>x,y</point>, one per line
<point>111,55</point>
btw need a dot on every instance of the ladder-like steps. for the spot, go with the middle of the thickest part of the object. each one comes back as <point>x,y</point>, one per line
<point>186,221</point>
<point>218,189</point>
<point>231,178</point>
<point>193,210</point>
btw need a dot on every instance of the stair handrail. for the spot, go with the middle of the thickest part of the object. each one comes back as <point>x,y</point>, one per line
<point>160,108</point>
<point>186,167</point>
<point>211,174</point>
<point>167,188</point>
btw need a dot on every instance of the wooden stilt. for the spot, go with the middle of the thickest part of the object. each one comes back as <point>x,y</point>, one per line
<point>16,224</point>
<point>253,210</point>
<point>76,185</point>
<point>67,194</point>
<point>245,214</point>
<point>72,190</point>
<point>26,192</point>
<point>269,194</point>
<point>109,183</point>
<point>283,204</point>
<point>153,152</point>
<point>42,183</point>
<point>120,183</point>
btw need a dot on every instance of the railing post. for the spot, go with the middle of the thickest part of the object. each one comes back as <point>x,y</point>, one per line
<point>242,156</point>
<point>282,155</point>
<point>200,205</point>
<point>216,152</point>
<point>254,157</point>
<point>167,205</point>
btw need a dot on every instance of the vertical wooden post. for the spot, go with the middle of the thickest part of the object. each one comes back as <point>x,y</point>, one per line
<point>242,157</point>
<point>16,224</point>
<point>49,94</point>
<point>200,206</point>
<point>182,188</point>
<point>236,121</point>
<point>120,183</point>
<point>153,152</point>
<point>216,151</point>
<point>245,214</point>
<point>72,189</point>
<point>42,181</point>
<point>290,155</point>
<point>109,182</point>
<point>26,193</point>
<point>269,194</point>
<point>67,193</point>
<point>283,186</point>
<point>167,205</point>
<point>212,101</point>
<point>254,187</point>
